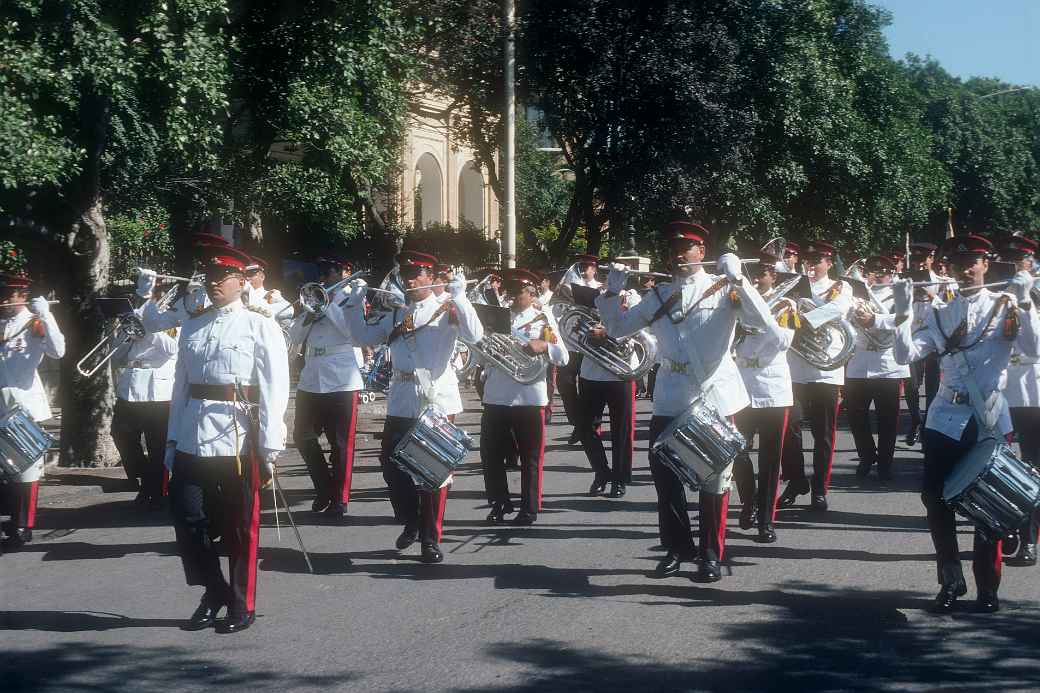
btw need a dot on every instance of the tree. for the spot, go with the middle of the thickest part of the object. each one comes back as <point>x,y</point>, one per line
<point>105,94</point>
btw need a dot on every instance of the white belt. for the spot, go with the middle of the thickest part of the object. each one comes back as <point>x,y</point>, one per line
<point>749,363</point>
<point>677,366</point>
<point>407,376</point>
<point>1019,360</point>
<point>329,350</point>
<point>951,395</point>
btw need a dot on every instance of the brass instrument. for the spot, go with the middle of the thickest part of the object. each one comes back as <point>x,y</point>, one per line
<point>879,340</point>
<point>816,345</point>
<point>315,298</point>
<point>576,323</point>
<point>128,328</point>
<point>504,351</point>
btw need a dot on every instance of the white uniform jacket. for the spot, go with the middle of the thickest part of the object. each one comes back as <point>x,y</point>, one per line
<point>988,353</point>
<point>420,351</point>
<point>761,357</point>
<point>270,301</point>
<point>698,345</point>
<point>330,361</point>
<point>872,359</point>
<point>222,346</point>
<point>148,366</point>
<point>590,369</point>
<point>26,339</point>
<point>188,305</point>
<point>500,388</point>
<point>828,308</point>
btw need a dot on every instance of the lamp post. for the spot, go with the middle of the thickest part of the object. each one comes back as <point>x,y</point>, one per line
<point>509,153</point>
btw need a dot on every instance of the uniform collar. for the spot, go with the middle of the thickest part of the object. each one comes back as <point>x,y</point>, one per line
<point>822,283</point>
<point>229,308</point>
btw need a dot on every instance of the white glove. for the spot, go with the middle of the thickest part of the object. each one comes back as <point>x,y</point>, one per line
<point>269,456</point>
<point>457,287</point>
<point>39,306</point>
<point>1020,285</point>
<point>902,295</point>
<point>617,279</point>
<point>729,264</point>
<point>171,451</point>
<point>146,283</point>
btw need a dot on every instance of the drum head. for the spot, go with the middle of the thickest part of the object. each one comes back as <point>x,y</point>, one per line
<point>969,468</point>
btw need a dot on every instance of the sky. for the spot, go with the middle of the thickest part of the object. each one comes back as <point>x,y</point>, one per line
<point>969,38</point>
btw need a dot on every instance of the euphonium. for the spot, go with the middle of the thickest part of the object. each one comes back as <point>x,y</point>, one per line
<point>613,354</point>
<point>816,345</point>
<point>509,353</point>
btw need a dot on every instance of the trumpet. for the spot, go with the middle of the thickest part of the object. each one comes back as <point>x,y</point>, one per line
<point>127,329</point>
<point>315,298</point>
<point>195,279</point>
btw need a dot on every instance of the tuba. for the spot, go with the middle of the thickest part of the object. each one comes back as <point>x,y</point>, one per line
<point>504,351</point>
<point>615,355</point>
<point>816,345</point>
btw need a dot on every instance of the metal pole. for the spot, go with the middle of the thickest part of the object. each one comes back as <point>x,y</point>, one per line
<point>509,151</point>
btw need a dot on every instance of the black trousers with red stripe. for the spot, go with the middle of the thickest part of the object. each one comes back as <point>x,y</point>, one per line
<point>770,424</point>
<point>924,371</point>
<point>818,402</point>
<point>335,415</point>
<point>211,498</point>
<point>567,386</point>
<point>18,499</point>
<point>130,422</point>
<point>550,388</point>
<point>673,518</point>
<point>620,399</point>
<point>884,393</point>
<point>1026,421</point>
<point>413,507</point>
<point>941,455</point>
<point>500,426</point>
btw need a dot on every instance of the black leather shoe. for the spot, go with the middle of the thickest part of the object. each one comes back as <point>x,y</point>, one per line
<point>708,571</point>
<point>335,510</point>
<point>1026,555</point>
<point>913,435</point>
<point>17,537</point>
<point>320,504</point>
<point>617,489</point>
<point>766,534</point>
<point>1010,544</point>
<point>575,437</point>
<point>791,493</point>
<point>884,475</point>
<point>819,503</point>
<point>947,597</point>
<point>525,517</point>
<point>499,510</point>
<point>987,602</point>
<point>236,623</point>
<point>747,515</point>
<point>204,617</point>
<point>668,566</point>
<point>863,470</point>
<point>431,553</point>
<point>409,536</point>
<point>598,487</point>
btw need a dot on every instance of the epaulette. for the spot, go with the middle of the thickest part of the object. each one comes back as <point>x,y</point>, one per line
<point>257,309</point>
<point>271,296</point>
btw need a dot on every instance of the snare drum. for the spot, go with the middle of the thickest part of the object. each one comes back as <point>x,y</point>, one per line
<point>22,442</point>
<point>699,446</point>
<point>432,450</point>
<point>993,488</point>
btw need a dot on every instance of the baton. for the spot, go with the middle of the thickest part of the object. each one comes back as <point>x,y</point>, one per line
<point>299,539</point>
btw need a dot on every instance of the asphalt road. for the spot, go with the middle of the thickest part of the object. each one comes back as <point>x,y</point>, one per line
<point>837,604</point>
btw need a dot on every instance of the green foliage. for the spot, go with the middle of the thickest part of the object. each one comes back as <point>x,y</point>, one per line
<point>12,260</point>
<point>465,245</point>
<point>140,240</point>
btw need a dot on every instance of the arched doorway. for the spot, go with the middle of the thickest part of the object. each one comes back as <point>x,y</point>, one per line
<point>428,189</point>
<point>471,196</point>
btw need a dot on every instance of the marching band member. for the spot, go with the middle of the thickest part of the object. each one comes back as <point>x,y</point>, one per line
<point>925,371</point>
<point>693,319</point>
<point>1023,396</point>
<point>192,300</point>
<point>815,390</point>
<point>327,393</point>
<point>581,273</point>
<point>28,332</point>
<point>255,295</point>
<point>230,393</point>
<point>143,393</point>
<point>421,339</point>
<point>761,357</point>
<point>789,263</point>
<point>513,411</point>
<point>599,388</point>
<point>974,335</point>
<point>545,292</point>
<point>873,375</point>
<point>542,303</point>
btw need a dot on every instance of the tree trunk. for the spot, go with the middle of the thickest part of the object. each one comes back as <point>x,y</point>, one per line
<point>86,403</point>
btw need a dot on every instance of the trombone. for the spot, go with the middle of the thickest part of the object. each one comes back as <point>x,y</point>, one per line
<point>315,298</point>
<point>127,329</point>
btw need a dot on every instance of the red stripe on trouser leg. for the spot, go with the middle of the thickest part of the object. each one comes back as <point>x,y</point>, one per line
<point>541,463</point>
<point>776,488</point>
<point>440,500</point>
<point>998,563</point>
<point>165,482</point>
<point>348,452</point>
<point>253,535</point>
<point>834,439</point>
<point>32,497</point>
<point>723,512</point>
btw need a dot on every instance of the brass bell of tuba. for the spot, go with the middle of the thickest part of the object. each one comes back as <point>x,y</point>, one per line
<point>616,355</point>
<point>827,347</point>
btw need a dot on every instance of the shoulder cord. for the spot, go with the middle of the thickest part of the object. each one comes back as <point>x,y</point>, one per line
<point>951,342</point>
<point>399,329</point>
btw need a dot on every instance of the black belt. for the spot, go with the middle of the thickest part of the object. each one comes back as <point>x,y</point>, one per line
<point>228,392</point>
